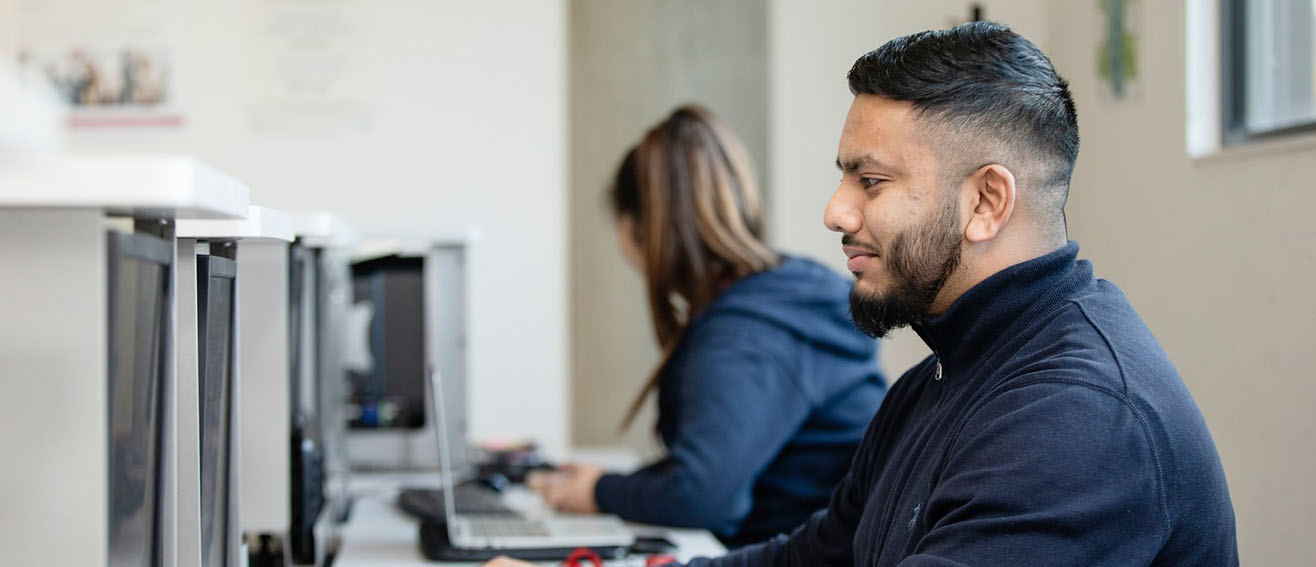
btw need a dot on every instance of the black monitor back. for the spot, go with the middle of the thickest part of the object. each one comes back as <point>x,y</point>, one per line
<point>139,267</point>
<point>392,394</point>
<point>216,286</point>
<point>305,444</point>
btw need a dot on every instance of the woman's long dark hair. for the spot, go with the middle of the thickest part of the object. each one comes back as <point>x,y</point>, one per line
<point>689,186</point>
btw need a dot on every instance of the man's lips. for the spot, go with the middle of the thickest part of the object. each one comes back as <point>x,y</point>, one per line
<point>858,257</point>
<point>852,251</point>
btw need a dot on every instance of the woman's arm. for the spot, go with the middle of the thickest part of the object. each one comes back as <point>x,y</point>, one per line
<point>738,409</point>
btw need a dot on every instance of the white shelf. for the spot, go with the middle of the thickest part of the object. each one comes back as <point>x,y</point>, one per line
<point>323,230</point>
<point>140,185</point>
<point>262,223</point>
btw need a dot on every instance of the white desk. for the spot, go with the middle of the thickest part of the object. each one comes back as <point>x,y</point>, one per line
<point>54,340</point>
<point>139,185</point>
<point>379,534</point>
<point>323,230</point>
<point>260,223</point>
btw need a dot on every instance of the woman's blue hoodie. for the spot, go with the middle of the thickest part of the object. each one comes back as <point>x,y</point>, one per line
<point>761,408</point>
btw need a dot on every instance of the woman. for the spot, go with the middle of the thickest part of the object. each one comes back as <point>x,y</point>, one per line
<point>765,387</point>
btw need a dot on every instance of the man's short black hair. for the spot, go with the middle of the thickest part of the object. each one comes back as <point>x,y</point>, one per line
<point>979,82</point>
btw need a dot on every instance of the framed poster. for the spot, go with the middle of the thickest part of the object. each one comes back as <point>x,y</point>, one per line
<point>307,66</point>
<point>114,62</point>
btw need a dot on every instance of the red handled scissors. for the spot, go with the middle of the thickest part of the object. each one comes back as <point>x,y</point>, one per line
<point>583,557</point>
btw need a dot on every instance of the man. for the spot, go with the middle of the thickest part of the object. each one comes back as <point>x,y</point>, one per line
<point>1048,427</point>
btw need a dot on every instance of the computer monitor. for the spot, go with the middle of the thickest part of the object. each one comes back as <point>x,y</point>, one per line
<point>215,313</point>
<point>139,269</point>
<point>391,394</point>
<point>307,451</point>
<point>302,324</point>
<point>408,318</point>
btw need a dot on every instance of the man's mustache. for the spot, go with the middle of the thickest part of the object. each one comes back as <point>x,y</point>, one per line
<point>850,240</point>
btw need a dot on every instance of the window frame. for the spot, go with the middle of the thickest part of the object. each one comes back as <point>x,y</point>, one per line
<point>1233,83</point>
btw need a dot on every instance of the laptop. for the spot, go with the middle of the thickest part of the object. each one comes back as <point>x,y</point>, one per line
<point>468,530</point>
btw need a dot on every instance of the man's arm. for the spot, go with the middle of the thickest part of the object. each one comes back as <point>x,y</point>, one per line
<point>827,538</point>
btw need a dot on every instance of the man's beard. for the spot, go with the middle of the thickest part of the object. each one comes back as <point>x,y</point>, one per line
<point>919,261</point>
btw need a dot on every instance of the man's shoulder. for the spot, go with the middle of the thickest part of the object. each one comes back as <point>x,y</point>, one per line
<point>1097,352</point>
<point>1096,337</point>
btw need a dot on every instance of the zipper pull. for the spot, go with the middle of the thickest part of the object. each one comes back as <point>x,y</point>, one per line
<point>937,376</point>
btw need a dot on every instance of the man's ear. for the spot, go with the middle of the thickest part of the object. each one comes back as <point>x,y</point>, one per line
<point>991,195</point>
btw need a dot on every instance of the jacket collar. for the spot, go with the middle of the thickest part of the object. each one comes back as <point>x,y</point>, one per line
<point>975,321</point>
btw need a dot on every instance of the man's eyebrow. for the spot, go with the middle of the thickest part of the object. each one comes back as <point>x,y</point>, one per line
<point>851,165</point>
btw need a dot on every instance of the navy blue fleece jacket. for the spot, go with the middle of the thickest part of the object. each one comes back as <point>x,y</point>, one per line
<point>1048,428</point>
<point>760,408</point>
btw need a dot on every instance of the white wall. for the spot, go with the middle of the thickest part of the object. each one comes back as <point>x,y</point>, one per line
<point>812,46</point>
<point>466,111</point>
<point>1219,257</point>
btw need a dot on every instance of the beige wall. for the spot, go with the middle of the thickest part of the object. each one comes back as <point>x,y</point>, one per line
<point>813,45</point>
<point>631,63</point>
<point>1219,257</point>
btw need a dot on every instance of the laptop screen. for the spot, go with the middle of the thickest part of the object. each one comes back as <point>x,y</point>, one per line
<point>438,406</point>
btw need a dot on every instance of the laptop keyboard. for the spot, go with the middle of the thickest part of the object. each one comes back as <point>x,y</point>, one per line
<point>470,499</point>
<point>498,527</point>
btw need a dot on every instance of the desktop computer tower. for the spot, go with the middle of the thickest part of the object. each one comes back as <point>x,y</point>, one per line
<point>286,518</point>
<point>409,316</point>
<point>264,399</point>
<point>323,269</point>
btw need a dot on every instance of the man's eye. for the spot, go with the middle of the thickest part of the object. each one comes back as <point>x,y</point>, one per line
<point>867,182</point>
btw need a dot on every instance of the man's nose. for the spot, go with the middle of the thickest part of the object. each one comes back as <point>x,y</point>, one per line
<point>842,213</point>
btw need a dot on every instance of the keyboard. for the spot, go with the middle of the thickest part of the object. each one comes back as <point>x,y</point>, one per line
<point>469,499</point>
<point>510,527</point>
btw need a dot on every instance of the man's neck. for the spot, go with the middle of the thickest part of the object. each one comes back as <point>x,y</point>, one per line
<point>983,260</point>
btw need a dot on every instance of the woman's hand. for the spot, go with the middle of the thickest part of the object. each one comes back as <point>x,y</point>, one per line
<point>507,562</point>
<point>570,488</point>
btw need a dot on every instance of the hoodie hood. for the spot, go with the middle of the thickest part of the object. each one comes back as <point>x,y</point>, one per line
<point>803,297</point>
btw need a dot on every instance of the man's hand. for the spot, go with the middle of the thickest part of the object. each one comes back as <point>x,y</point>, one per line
<point>507,562</point>
<point>570,488</point>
